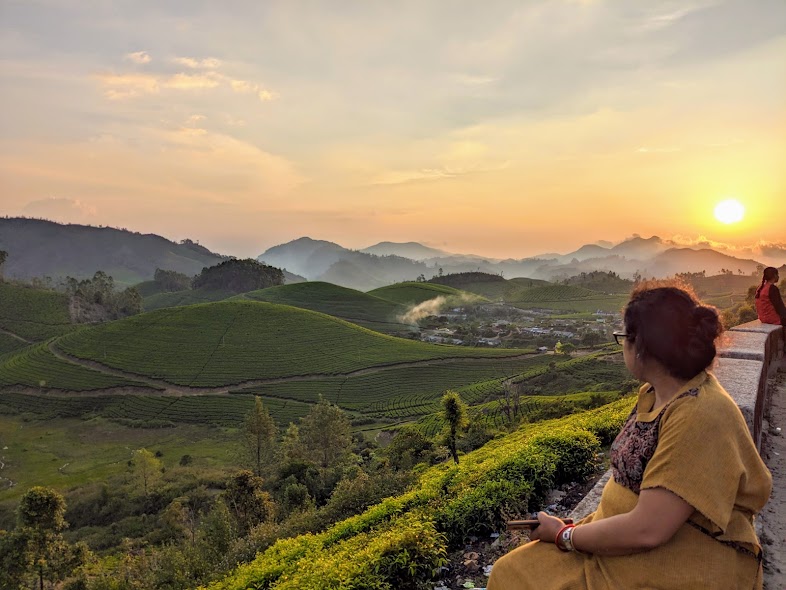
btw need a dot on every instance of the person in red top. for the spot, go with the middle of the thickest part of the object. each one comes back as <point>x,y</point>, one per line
<point>769,304</point>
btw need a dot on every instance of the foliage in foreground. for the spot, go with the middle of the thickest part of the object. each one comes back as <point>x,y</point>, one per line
<point>400,542</point>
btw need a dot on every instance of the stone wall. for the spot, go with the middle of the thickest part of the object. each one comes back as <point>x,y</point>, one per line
<point>747,355</point>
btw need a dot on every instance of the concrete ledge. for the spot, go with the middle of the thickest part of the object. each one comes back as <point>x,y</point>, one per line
<point>773,349</point>
<point>746,383</point>
<point>590,502</point>
<point>744,345</point>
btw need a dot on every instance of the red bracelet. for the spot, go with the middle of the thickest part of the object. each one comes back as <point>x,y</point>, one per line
<point>564,538</point>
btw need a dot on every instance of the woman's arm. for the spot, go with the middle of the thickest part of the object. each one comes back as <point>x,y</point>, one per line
<point>777,301</point>
<point>658,515</point>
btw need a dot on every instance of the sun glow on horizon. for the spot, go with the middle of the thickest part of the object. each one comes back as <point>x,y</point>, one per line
<point>729,211</point>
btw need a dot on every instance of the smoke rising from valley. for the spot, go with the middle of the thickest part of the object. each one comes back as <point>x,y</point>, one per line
<point>435,306</point>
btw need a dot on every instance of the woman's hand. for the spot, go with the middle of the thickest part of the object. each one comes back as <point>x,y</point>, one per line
<point>548,528</point>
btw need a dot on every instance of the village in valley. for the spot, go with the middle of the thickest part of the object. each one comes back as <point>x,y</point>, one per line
<point>506,326</point>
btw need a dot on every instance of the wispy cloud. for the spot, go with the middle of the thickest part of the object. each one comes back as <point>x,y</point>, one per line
<point>208,63</point>
<point>131,85</point>
<point>139,57</point>
<point>190,82</point>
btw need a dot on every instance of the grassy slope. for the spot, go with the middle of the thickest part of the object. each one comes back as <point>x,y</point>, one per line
<point>415,293</point>
<point>34,314</point>
<point>349,304</point>
<point>227,343</point>
<point>66,451</point>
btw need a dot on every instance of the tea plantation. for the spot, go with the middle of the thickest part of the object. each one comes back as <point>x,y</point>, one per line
<point>229,343</point>
<point>354,306</point>
<point>33,314</point>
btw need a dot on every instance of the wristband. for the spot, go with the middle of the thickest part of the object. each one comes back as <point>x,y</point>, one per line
<point>564,538</point>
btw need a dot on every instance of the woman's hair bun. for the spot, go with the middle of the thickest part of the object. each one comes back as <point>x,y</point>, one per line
<point>708,323</point>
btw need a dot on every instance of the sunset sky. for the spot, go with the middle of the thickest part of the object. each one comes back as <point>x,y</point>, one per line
<point>501,128</point>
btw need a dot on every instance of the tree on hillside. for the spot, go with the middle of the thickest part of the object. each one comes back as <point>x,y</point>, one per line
<point>326,434</point>
<point>96,299</point>
<point>248,502</point>
<point>259,432</point>
<point>565,348</point>
<point>36,546</point>
<point>238,276</point>
<point>408,448</point>
<point>146,467</point>
<point>3,258</point>
<point>170,280</point>
<point>455,414</point>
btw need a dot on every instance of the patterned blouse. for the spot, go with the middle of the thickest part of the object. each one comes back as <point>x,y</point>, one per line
<point>635,445</point>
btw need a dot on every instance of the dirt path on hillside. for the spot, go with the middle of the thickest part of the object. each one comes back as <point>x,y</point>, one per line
<point>17,336</point>
<point>773,517</point>
<point>167,388</point>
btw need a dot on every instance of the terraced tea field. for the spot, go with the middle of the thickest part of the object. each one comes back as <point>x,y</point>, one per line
<point>35,366</point>
<point>188,297</point>
<point>565,297</point>
<point>9,343</point>
<point>531,409</point>
<point>399,393</point>
<point>33,314</point>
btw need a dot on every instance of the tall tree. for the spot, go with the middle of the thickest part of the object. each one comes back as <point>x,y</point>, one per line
<point>248,502</point>
<point>455,414</point>
<point>326,434</point>
<point>146,467</point>
<point>3,258</point>
<point>41,521</point>
<point>260,435</point>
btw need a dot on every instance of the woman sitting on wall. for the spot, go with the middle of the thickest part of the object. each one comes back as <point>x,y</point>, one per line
<point>688,480</point>
<point>769,304</point>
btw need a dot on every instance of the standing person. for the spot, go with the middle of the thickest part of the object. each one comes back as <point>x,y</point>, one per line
<point>688,480</point>
<point>769,304</point>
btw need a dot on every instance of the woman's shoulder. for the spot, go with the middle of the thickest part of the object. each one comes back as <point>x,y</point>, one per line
<point>707,402</point>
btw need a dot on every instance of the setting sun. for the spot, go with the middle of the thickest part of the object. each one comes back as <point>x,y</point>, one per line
<point>729,211</point>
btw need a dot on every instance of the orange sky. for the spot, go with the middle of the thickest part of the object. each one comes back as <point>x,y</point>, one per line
<point>498,128</point>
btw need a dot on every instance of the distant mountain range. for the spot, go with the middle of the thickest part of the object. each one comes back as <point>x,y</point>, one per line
<point>40,248</point>
<point>385,263</point>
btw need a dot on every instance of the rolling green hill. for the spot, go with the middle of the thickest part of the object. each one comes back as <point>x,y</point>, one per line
<point>415,293</point>
<point>228,343</point>
<point>348,304</point>
<point>33,314</point>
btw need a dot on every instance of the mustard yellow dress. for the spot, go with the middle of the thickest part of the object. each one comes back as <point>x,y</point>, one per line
<point>697,446</point>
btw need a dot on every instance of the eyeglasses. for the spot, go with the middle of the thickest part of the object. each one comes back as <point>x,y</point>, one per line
<point>623,335</point>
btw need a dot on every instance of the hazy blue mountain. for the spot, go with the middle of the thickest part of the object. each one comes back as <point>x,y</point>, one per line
<point>412,250</point>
